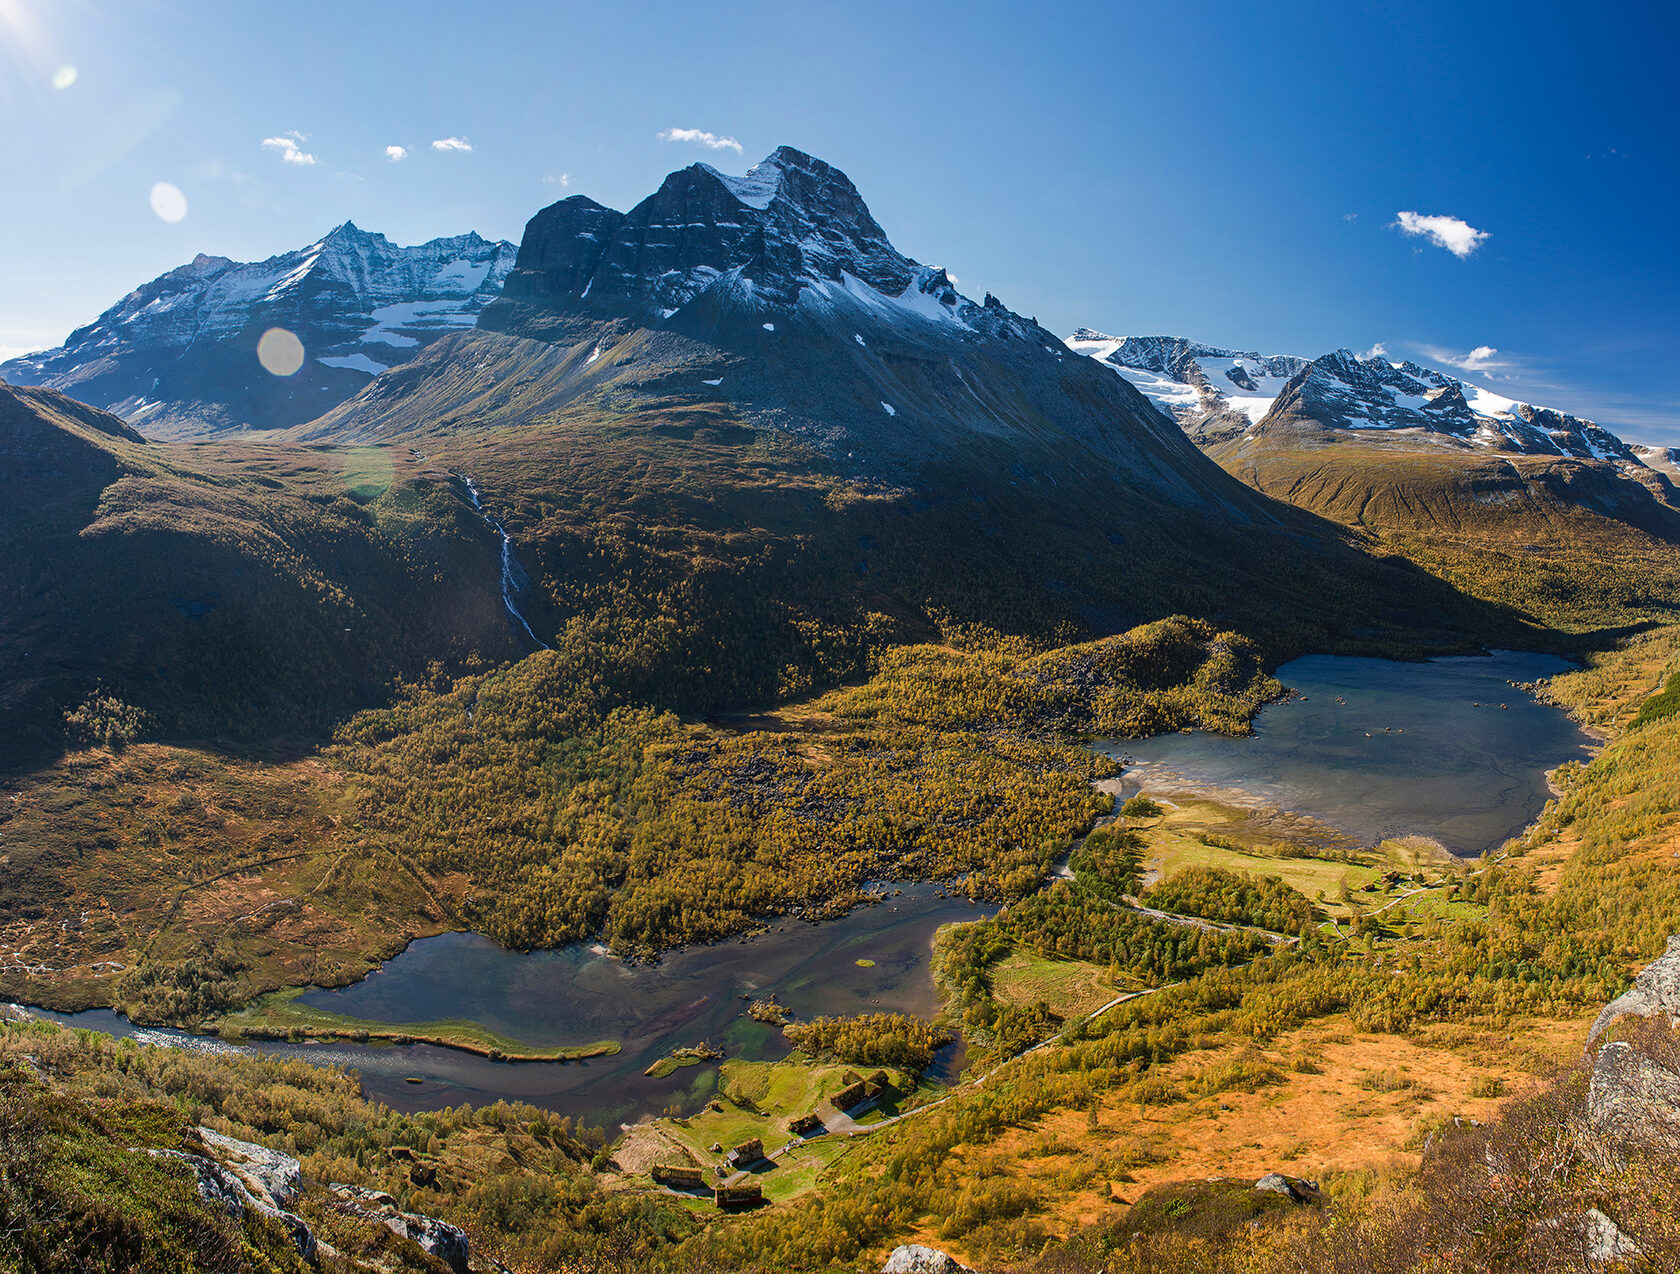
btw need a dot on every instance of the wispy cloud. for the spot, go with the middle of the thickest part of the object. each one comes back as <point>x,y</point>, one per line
<point>396,154</point>
<point>563,180</point>
<point>1484,359</point>
<point>1457,237</point>
<point>452,143</point>
<point>1350,216</point>
<point>1379,350</point>
<point>700,137</point>
<point>289,146</point>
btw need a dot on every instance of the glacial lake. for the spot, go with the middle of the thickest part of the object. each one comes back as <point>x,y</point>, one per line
<point>1446,748</point>
<point>578,995</point>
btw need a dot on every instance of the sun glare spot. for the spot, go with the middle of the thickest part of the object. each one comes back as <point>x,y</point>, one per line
<point>168,202</point>
<point>64,77</point>
<point>280,352</point>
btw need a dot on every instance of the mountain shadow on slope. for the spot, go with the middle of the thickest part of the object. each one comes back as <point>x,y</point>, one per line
<point>227,590</point>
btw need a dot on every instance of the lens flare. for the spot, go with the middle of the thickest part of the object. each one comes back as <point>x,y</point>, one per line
<point>280,352</point>
<point>168,202</point>
<point>64,77</point>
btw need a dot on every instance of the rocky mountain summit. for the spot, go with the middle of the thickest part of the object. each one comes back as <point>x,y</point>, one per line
<point>177,356</point>
<point>790,223</point>
<point>776,299</point>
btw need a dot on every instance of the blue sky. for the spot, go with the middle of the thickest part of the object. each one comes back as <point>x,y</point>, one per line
<point>1230,172</point>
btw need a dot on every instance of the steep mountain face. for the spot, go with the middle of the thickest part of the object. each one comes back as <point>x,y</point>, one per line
<point>778,295</point>
<point>1207,390</point>
<point>1664,460</point>
<point>177,356</point>
<point>1450,473</point>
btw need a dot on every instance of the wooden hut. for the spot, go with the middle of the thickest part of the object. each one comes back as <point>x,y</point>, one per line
<point>746,1154</point>
<point>742,1194</point>
<point>851,1095</point>
<point>681,1175</point>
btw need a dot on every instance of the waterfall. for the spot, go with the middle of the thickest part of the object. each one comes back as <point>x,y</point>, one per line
<point>514,579</point>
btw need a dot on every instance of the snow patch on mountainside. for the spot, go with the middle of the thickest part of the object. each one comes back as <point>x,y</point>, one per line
<point>1665,460</point>
<point>355,363</point>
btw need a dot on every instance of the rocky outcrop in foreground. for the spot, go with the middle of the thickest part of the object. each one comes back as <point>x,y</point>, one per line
<point>253,1178</point>
<point>914,1258</point>
<point>1655,990</point>
<point>436,1238</point>
<point>244,1176</point>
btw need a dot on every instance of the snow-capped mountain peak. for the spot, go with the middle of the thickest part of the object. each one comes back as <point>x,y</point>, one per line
<point>1192,381</point>
<point>792,232</point>
<point>177,355</point>
<point>1217,394</point>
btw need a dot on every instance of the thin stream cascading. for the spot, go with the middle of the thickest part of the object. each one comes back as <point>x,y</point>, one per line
<point>514,579</point>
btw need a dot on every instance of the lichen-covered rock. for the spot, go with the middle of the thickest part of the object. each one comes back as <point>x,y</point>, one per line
<point>1655,990</point>
<point>1299,1191</point>
<point>914,1258</point>
<point>266,1173</point>
<point>1599,1238</point>
<point>1603,1240</point>
<point>225,1191</point>
<point>437,1238</point>
<point>1633,1103</point>
<point>215,1184</point>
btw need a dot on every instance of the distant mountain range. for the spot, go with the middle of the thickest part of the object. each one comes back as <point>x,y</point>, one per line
<point>176,357</point>
<point>1218,394</point>
<point>1551,512</point>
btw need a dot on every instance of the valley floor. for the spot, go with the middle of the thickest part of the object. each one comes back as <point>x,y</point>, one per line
<point>1334,1013</point>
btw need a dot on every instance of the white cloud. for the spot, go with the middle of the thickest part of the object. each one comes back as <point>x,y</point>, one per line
<point>1379,350</point>
<point>396,154</point>
<point>1484,359</point>
<point>452,143</point>
<point>711,141</point>
<point>563,180</point>
<point>1350,216</point>
<point>289,146</point>
<point>1457,237</point>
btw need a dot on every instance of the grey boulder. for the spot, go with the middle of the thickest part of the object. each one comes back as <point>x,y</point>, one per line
<point>1633,1103</point>
<point>437,1238</point>
<point>1655,990</point>
<point>914,1258</point>
<point>222,1190</point>
<point>266,1173</point>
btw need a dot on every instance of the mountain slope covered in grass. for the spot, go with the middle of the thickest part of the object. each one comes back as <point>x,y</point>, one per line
<point>248,591</point>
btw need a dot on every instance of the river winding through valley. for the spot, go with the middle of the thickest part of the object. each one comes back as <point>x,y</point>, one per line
<point>1447,749</point>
